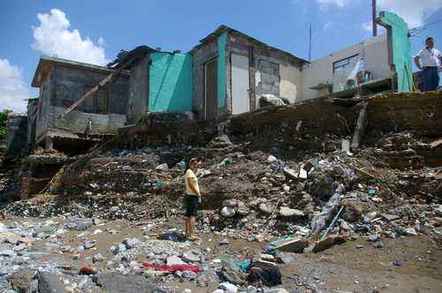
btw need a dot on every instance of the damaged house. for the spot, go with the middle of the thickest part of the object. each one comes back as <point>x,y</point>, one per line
<point>227,73</point>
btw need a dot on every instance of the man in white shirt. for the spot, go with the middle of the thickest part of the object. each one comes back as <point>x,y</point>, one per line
<point>429,61</point>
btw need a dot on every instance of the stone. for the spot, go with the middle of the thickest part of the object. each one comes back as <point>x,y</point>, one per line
<point>88,244</point>
<point>290,173</point>
<point>79,224</point>
<point>7,253</point>
<point>188,275</point>
<point>271,159</point>
<point>191,256</point>
<point>296,245</point>
<point>438,210</point>
<point>228,287</point>
<point>373,237</point>
<point>114,249</point>
<point>410,231</point>
<point>327,243</point>
<point>49,282</point>
<point>243,211</point>
<point>224,241</point>
<point>285,187</point>
<point>231,203</point>
<point>132,243</point>
<point>265,208</point>
<point>228,212</point>
<point>162,167</point>
<point>97,258</point>
<point>288,212</point>
<point>174,260</point>
<point>116,282</point>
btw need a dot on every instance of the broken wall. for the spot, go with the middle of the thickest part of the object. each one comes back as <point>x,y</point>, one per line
<point>320,71</point>
<point>170,82</point>
<point>16,137</point>
<point>138,89</point>
<point>65,85</point>
<point>200,56</point>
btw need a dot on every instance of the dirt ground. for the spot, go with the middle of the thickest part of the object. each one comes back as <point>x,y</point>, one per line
<point>409,264</point>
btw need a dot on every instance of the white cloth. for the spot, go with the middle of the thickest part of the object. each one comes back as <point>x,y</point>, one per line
<point>429,57</point>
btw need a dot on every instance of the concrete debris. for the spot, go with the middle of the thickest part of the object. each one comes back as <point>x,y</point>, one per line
<point>114,220</point>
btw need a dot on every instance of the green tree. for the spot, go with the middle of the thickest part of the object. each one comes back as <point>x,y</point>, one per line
<point>3,119</point>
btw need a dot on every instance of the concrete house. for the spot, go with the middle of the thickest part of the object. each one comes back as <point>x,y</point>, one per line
<point>227,73</point>
<point>61,83</point>
<point>231,70</point>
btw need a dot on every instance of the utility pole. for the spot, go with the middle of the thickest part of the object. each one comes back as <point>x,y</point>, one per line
<point>310,43</point>
<point>373,11</point>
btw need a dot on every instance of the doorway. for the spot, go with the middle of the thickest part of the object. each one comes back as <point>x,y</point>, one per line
<point>240,84</point>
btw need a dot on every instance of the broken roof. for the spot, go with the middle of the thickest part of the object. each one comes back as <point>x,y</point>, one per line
<point>224,28</point>
<point>46,63</point>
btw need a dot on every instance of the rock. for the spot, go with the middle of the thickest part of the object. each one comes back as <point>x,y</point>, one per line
<point>49,283</point>
<point>174,260</point>
<point>410,231</point>
<point>231,203</point>
<point>272,159</point>
<point>162,167</point>
<point>243,211</point>
<point>116,282</point>
<point>373,237</point>
<point>20,247</point>
<point>228,212</point>
<point>224,241</point>
<point>267,257</point>
<point>221,141</point>
<point>21,281</point>
<point>285,187</point>
<point>121,248</point>
<point>79,224</point>
<point>352,211</point>
<point>131,243</point>
<point>290,173</point>
<point>114,249</point>
<point>266,209</point>
<point>296,245</point>
<point>288,212</point>
<point>191,256</point>
<point>7,253</point>
<point>328,242</point>
<point>438,210</point>
<point>228,287</point>
<point>88,244</point>
<point>97,258</point>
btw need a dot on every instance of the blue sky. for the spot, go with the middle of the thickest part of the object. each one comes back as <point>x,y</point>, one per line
<point>94,31</point>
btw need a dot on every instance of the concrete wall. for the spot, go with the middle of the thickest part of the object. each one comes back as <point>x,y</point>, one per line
<point>170,82</point>
<point>138,90</point>
<point>65,85</point>
<point>374,52</point>
<point>200,56</point>
<point>271,71</point>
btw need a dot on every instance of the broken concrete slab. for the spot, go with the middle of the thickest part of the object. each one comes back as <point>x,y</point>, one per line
<point>327,243</point>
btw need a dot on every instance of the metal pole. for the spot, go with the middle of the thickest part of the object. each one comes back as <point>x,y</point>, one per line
<point>310,43</point>
<point>373,11</point>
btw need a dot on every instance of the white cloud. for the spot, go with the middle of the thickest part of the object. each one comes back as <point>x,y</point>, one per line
<point>54,37</point>
<point>413,11</point>
<point>323,4</point>
<point>13,90</point>
<point>367,26</point>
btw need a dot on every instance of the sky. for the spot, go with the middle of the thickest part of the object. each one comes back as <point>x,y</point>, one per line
<point>95,31</point>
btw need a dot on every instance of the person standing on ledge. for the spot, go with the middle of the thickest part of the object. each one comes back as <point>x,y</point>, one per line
<point>429,60</point>
<point>192,198</point>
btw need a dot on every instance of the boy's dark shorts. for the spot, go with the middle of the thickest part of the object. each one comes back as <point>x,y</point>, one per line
<point>190,205</point>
